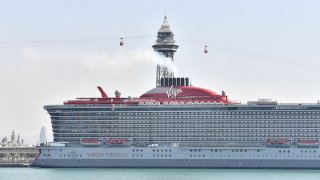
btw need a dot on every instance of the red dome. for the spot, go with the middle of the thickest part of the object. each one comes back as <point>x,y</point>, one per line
<point>179,92</point>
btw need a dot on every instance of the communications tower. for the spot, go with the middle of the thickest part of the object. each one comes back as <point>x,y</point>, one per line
<point>166,47</point>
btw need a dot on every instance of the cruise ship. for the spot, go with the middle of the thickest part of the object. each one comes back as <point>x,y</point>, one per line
<point>178,125</point>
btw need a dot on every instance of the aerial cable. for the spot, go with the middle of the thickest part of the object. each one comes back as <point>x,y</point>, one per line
<point>64,42</point>
<point>57,41</point>
<point>191,41</point>
<point>51,43</point>
<point>138,37</point>
<point>265,56</point>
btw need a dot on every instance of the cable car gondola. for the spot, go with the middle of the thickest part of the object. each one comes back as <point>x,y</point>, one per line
<point>121,42</point>
<point>205,49</point>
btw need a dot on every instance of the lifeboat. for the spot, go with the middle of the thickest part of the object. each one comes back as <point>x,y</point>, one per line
<point>271,141</point>
<point>118,142</point>
<point>90,142</point>
<point>302,143</point>
<point>278,142</point>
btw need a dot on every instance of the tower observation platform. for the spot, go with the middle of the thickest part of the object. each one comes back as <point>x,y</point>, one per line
<point>165,43</point>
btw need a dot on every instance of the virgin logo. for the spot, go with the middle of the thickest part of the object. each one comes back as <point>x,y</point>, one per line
<point>172,93</point>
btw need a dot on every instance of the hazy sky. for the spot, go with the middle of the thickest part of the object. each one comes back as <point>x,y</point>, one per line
<point>52,51</point>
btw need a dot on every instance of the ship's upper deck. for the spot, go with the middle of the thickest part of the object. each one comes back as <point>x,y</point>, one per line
<point>161,95</point>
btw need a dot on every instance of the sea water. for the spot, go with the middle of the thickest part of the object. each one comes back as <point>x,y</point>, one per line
<point>154,174</point>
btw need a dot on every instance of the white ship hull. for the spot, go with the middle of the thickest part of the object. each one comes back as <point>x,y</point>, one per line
<point>167,157</point>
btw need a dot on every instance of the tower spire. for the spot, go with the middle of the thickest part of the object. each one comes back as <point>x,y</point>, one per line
<point>166,47</point>
<point>165,13</point>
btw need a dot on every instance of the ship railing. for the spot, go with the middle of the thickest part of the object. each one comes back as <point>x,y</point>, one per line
<point>222,145</point>
<point>201,103</point>
<point>86,105</point>
<point>175,103</point>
